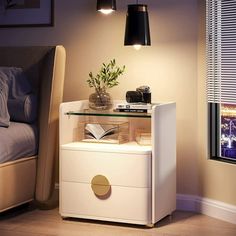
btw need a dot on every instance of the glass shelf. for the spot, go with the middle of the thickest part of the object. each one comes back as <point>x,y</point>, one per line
<point>88,112</point>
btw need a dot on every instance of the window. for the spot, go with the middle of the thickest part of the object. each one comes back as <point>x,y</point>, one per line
<point>221,78</point>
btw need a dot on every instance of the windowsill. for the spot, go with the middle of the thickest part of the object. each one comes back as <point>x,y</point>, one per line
<point>219,159</point>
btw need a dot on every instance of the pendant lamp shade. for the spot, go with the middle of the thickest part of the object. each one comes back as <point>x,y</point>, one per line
<point>106,5</point>
<point>137,30</point>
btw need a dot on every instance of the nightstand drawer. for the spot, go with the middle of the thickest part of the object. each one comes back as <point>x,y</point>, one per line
<point>125,203</point>
<point>121,169</point>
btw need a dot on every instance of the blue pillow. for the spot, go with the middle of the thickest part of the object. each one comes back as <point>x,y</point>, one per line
<point>17,82</point>
<point>17,102</point>
<point>4,115</point>
<point>23,109</point>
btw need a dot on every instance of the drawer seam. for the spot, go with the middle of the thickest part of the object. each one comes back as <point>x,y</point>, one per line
<point>127,186</point>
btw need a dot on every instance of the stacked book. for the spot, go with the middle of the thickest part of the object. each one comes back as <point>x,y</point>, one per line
<point>133,107</point>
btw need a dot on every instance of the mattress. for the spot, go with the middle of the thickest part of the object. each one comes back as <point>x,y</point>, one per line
<point>17,141</point>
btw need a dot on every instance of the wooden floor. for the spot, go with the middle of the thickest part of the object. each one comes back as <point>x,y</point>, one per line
<point>33,222</point>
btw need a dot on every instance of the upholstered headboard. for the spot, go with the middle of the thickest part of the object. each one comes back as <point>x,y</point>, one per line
<point>45,69</point>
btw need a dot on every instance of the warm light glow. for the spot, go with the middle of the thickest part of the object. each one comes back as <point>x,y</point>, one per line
<point>137,46</point>
<point>228,110</point>
<point>106,11</point>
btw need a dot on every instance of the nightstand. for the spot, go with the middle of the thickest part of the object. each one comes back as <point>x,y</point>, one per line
<point>118,182</point>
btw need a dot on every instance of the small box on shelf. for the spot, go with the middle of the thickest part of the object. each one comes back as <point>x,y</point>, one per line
<point>143,137</point>
<point>115,132</point>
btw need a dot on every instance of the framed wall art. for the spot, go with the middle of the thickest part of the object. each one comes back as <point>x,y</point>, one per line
<point>26,13</point>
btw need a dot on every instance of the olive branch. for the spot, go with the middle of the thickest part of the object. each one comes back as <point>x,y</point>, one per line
<point>107,76</point>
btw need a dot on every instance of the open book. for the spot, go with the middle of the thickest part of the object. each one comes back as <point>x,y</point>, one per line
<point>100,131</point>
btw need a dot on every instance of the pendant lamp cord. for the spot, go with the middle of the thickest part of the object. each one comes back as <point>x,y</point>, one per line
<point>136,1</point>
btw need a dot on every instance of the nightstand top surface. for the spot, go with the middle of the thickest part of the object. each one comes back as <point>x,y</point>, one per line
<point>130,147</point>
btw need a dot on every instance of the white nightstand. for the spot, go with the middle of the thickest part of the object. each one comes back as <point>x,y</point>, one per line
<point>118,182</point>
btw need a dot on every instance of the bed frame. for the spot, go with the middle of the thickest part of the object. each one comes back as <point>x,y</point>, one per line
<point>32,178</point>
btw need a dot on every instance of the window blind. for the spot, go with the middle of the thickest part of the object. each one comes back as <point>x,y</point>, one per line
<point>221,51</point>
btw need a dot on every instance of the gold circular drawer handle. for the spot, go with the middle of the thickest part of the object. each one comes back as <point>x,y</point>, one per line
<point>100,186</point>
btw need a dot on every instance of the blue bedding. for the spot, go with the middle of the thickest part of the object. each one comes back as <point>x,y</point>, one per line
<point>17,141</point>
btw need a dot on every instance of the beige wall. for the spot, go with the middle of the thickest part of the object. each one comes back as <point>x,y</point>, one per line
<point>169,66</point>
<point>217,179</point>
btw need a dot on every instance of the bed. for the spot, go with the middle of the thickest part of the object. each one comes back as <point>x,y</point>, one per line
<point>27,174</point>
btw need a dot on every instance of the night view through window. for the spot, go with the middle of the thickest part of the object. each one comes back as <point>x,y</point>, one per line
<point>228,131</point>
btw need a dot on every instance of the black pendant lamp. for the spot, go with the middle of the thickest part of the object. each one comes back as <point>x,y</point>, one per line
<point>137,32</point>
<point>106,6</point>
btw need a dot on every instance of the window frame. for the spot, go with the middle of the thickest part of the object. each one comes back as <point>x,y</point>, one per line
<point>214,131</point>
<point>216,80</point>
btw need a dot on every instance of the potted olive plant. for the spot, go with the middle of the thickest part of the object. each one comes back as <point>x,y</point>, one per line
<point>104,80</point>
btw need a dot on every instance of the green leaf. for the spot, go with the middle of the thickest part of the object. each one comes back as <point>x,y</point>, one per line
<point>107,76</point>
